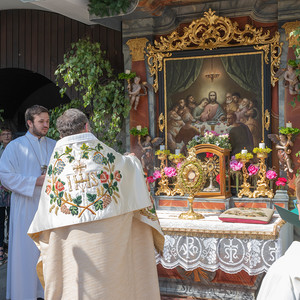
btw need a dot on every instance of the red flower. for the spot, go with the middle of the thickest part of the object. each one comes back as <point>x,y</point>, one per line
<point>104,177</point>
<point>218,178</point>
<point>59,186</point>
<point>208,154</point>
<point>150,179</point>
<point>117,175</point>
<point>48,189</point>
<point>281,181</point>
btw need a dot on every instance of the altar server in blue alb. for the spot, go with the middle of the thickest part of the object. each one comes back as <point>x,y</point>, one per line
<point>22,170</point>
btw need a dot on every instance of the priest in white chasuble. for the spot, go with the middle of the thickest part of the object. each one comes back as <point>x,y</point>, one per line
<point>22,165</point>
<point>96,226</point>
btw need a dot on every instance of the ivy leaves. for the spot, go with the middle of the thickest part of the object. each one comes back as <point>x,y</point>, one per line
<point>87,70</point>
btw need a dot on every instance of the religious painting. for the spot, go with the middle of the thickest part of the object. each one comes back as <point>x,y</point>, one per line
<point>224,93</point>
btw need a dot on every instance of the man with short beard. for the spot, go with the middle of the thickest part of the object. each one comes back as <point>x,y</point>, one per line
<point>213,111</point>
<point>229,104</point>
<point>23,166</point>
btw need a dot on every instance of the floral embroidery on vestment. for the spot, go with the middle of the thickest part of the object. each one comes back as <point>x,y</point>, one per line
<point>94,189</point>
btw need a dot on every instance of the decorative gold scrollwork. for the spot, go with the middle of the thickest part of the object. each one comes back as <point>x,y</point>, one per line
<point>210,32</point>
<point>267,119</point>
<point>161,122</point>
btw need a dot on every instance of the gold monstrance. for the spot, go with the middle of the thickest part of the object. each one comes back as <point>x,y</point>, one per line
<point>191,180</point>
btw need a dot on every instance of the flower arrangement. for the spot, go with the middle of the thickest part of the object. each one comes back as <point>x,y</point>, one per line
<point>211,137</point>
<point>169,171</point>
<point>271,175</point>
<point>162,152</point>
<point>281,182</point>
<point>252,170</point>
<point>134,131</point>
<point>176,156</point>
<point>288,130</point>
<point>244,156</point>
<point>236,166</point>
<point>261,150</point>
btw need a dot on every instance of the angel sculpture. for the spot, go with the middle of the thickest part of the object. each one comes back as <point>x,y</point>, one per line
<point>284,148</point>
<point>291,79</point>
<point>135,90</point>
<point>147,157</point>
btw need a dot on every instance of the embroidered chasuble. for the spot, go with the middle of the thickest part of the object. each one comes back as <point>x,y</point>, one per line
<point>96,226</point>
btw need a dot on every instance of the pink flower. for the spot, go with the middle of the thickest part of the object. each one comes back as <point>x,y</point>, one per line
<point>218,178</point>
<point>170,172</point>
<point>271,174</point>
<point>252,169</point>
<point>281,181</point>
<point>150,179</point>
<point>156,174</point>
<point>235,165</point>
<point>208,154</point>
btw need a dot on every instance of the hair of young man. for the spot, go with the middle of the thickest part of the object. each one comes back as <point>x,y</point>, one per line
<point>34,111</point>
<point>72,121</point>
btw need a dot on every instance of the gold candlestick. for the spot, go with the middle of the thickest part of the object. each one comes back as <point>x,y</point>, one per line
<point>262,185</point>
<point>163,182</point>
<point>177,190</point>
<point>245,191</point>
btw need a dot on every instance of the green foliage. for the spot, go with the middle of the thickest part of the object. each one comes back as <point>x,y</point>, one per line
<point>126,76</point>
<point>108,7</point>
<point>87,70</point>
<point>134,131</point>
<point>288,130</point>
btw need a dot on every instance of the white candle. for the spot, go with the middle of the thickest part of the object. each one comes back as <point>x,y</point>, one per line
<point>127,72</point>
<point>288,124</point>
<point>161,147</point>
<point>244,151</point>
<point>262,145</point>
<point>139,127</point>
<point>177,151</point>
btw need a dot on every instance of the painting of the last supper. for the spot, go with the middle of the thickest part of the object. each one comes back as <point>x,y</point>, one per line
<point>220,94</point>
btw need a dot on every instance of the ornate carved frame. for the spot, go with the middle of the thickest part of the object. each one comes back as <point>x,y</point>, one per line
<point>212,32</point>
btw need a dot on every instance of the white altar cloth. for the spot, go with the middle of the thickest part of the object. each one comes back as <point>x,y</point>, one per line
<point>212,244</point>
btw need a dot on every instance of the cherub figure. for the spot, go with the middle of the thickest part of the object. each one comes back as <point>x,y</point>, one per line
<point>292,80</point>
<point>283,146</point>
<point>147,158</point>
<point>135,90</point>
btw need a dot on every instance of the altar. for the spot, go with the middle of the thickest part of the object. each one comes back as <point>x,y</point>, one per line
<point>211,259</point>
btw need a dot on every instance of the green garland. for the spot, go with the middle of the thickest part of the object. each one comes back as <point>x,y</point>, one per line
<point>134,131</point>
<point>262,150</point>
<point>288,130</point>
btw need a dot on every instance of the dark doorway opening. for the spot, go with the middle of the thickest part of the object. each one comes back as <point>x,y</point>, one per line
<point>20,89</point>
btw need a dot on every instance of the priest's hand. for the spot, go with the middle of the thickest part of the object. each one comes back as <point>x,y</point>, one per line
<point>40,180</point>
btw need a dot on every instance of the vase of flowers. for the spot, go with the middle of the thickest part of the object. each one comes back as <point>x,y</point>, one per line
<point>271,175</point>
<point>236,166</point>
<point>211,137</point>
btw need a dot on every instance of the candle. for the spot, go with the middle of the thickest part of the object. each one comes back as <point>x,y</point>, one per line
<point>127,72</point>
<point>262,145</point>
<point>177,151</point>
<point>139,127</point>
<point>244,151</point>
<point>288,124</point>
<point>162,147</point>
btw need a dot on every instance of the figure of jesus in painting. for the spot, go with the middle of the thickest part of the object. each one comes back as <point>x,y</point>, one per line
<point>213,111</point>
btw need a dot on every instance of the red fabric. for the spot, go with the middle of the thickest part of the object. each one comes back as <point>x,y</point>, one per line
<point>234,220</point>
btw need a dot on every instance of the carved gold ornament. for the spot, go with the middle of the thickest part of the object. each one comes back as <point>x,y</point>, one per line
<point>267,119</point>
<point>161,122</point>
<point>289,28</point>
<point>211,32</point>
<point>137,47</point>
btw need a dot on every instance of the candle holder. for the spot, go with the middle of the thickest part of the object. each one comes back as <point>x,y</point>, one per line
<point>244,158</point>
<point>191,179</point>
<point>176,159</point>
<point>262,185</point>
<point>163,182</point>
